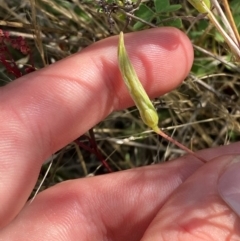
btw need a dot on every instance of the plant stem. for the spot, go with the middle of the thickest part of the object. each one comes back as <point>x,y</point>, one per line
<point>165,136</point>
<point>231,20</point>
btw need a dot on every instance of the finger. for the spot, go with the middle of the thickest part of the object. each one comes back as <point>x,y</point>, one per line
<point>45,110</point>
<point>71,96</point>
<point>115,207</point>
<point>211,153</point>
<point>196,211</point>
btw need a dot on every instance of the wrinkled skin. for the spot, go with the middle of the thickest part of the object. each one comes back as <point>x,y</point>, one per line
<point>45,110</point>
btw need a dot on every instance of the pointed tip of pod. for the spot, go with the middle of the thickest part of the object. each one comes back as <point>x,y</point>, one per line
<point>124,63</point>
<point>121,43</point>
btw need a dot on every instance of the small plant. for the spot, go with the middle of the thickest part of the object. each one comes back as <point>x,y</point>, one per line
<point>6,43</point>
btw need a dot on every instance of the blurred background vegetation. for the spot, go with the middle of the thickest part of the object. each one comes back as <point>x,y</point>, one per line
<point>203,112</point>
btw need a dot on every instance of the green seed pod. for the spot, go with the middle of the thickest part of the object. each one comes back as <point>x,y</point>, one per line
<point>201,5</point>
<point>146,109</point>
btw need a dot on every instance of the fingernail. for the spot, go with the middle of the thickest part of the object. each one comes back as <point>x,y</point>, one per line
<point>229,185</point>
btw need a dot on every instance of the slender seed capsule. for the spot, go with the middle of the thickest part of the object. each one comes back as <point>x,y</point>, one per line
<point>201,5</point>
<point>146,109</point>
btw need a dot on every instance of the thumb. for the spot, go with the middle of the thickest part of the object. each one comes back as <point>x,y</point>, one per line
<point>229,185</point>
<point>198,209</point>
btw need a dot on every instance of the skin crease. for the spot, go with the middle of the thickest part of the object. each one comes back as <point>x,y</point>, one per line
<point>45,110</point>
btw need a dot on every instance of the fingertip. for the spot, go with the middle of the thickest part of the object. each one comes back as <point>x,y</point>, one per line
<point>162,58</point>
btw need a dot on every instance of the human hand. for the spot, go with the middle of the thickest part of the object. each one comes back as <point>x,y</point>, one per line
<point>40,113</point>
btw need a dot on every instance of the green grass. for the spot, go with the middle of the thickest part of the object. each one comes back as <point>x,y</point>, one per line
<point>203,112</point>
